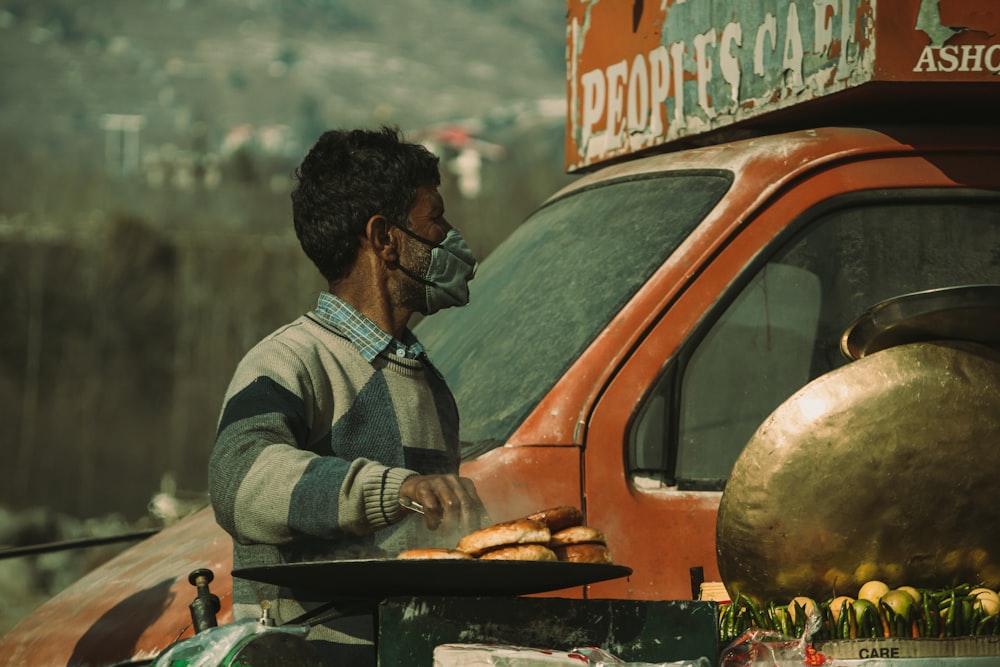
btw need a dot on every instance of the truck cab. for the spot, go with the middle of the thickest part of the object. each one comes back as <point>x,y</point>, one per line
<point>689,296</point>
<point>751,180</point>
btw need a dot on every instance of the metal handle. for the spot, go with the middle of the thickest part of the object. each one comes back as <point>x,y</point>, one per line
<point>411,505</point>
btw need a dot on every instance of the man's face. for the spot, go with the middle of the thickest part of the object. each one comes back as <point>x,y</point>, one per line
<point>426,219</point>
<point>427,215</point>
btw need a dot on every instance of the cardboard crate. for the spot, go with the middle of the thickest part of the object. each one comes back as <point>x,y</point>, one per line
<point>897,648</point>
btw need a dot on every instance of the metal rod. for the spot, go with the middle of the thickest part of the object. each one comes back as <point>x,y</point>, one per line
<point>411,505</point>
<point>80,543</point>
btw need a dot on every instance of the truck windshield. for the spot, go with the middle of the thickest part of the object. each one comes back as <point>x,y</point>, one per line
<point>546,292</point>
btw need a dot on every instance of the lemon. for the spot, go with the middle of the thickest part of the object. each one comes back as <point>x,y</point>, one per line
<point>986,600</point>
<point>914,593</point>
<point>899,601</point>
<point>873,591</point>
<point>861,606</point>
<point>837,605</point>
<point>808,606</point>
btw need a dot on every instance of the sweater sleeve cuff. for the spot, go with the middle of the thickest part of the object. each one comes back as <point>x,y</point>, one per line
<point>382,506</point>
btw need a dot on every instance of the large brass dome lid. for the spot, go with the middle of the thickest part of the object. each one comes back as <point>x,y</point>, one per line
<point>887,468</point>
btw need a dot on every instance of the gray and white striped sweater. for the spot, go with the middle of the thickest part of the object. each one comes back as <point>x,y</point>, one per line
<point>312,446</point>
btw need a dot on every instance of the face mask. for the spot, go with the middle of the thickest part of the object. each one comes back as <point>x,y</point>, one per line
<point>452,266</point>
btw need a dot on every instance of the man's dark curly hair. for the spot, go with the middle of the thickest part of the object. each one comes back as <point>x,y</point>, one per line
<point>347,177</point>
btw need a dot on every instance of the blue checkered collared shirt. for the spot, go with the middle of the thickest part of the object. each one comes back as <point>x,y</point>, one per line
<point>362,332</point>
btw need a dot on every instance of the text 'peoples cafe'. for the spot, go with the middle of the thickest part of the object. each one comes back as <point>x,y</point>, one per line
<point>678,71</point>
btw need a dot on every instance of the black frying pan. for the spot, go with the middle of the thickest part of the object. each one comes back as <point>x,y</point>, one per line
<point>382,578</point>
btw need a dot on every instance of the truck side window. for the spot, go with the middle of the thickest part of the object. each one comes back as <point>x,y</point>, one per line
<point>768,333</point>
<point>766,338</point>
<point>782,329</point>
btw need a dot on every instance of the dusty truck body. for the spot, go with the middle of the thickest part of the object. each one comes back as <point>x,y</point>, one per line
<point>752,178</point>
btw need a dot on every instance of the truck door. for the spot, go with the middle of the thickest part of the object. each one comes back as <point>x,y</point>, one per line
<point>759,320</point>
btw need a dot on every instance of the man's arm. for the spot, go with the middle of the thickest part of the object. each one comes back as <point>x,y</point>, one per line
<point>448,501</point>
<point>266,484</point>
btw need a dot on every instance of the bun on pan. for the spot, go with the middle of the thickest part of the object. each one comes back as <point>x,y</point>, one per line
<point>557,518</point>
<point>583,553</point>
<point>535,552</point>
<point>518,531</point>
<point>577,535</point>
<point>434,553</point>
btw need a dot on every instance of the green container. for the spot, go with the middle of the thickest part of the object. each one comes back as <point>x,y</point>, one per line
<point>632,630</point>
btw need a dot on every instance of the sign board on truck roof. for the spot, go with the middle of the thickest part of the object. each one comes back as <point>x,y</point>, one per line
<point>650,73</point>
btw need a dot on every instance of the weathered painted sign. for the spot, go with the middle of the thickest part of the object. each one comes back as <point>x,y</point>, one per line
<point>643,73</point>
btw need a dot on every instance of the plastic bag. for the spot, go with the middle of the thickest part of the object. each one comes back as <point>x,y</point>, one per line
<point>599,658</point>
<point>210,647</point>
<point>765,647</point>
<point>497,655</point>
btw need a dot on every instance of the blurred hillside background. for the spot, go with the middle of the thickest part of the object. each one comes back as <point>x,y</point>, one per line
<point>145,234</point>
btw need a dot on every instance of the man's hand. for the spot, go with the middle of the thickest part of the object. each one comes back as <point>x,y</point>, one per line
<point>449,501</point>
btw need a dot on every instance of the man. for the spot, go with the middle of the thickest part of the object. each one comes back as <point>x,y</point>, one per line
<point>335,419</point>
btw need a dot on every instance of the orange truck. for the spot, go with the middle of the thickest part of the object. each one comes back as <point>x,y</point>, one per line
<point>752,177</point>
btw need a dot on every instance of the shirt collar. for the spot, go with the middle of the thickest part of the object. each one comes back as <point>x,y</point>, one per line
<point>370,340</point>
